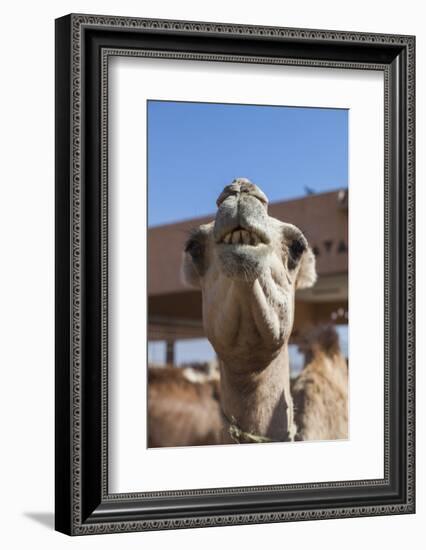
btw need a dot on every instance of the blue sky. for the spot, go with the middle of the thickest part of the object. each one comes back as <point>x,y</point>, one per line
<point>195,149</point>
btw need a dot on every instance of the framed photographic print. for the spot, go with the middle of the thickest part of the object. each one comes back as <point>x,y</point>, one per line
<point>234,274</point>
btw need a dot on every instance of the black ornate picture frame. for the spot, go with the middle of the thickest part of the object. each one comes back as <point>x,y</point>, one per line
<point>84,43</point>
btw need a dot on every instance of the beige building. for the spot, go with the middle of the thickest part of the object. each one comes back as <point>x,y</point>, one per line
<point>174,310</point>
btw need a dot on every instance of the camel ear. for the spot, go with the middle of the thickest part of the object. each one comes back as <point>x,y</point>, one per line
<point>307,274</point>
<point>189,273</point>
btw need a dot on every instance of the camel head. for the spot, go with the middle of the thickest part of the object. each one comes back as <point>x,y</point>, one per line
<point>248,266</point>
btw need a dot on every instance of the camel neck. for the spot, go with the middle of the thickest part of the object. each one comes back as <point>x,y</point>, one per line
<point>259,402</point>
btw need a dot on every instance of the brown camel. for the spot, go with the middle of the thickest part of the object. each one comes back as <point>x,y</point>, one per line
<point>182,412</point>
<point>320,392</point>
<point>248,266</point>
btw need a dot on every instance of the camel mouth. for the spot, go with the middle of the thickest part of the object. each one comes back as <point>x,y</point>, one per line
<point>243,236</point>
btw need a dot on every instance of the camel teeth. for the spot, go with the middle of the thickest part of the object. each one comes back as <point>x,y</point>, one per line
<point>254,239</point>
<point>236,237</point>
<point>245,237</point>
<point>241,236</point>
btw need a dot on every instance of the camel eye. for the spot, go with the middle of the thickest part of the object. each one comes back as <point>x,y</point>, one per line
<point>194,248</point>
<point>295,249</point>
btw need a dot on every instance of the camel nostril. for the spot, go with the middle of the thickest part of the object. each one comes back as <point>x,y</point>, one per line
<point>263,200</point>
<point>255,193</point>
<point>225,194</point>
